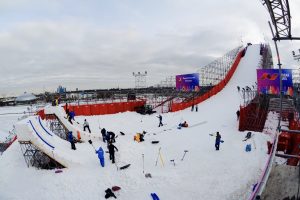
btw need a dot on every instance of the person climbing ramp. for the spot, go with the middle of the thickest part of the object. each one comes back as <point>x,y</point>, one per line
<point>160,121</point>
<point>218,140</point>
<point>86,125</point>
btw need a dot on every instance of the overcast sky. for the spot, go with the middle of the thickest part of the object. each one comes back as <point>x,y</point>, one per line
<point>91,44</point>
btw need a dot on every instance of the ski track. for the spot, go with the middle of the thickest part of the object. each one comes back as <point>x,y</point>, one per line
<point>203,174</point>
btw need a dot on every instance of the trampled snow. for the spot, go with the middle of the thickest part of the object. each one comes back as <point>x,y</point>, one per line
<point>8,117</point>
<point>203,174</point>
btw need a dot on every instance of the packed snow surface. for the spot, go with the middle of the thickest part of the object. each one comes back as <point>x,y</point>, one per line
<point>204,173</point>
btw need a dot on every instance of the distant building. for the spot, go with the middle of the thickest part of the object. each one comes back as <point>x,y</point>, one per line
<point>61,90</point>
<point>26,98</point>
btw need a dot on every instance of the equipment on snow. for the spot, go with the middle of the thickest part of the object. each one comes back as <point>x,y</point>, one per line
<point>143,163</point>
<point>248,148</point>
<point>90,141</point>
<point>155,142</point>
<point>148,175</point>
<point>173,161</point>
<point>122,133</point>
<point>159,156</point>
<point>125,166</point>
<point>185,151</point>
<point>100,153</point>
<point>115,188</point>
<point>109,193</point>
<point>154,196</point>
<point>248,136</point>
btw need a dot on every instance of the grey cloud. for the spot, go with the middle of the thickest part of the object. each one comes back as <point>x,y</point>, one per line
<point>77,53</point>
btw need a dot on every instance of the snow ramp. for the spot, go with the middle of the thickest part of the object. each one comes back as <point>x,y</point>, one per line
<point>34,131</point>
<point>61,115</point>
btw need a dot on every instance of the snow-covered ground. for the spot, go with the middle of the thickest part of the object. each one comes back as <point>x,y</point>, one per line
<point>8,117</point>
<point>203,174</point>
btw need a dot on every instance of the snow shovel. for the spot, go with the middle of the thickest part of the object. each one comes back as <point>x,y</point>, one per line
<point>90,141</point>
<point>173,161</point>
<point>185,151</point>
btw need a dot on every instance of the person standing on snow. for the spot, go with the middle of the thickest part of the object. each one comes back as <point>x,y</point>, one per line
<point>111,136</point>
<point>71,140</point>
<point>103,133</point>
<point>86,125</point>
<point>111,151</point>
<point>238,115</point>
<point>160,121</point>
<point>218,140</point>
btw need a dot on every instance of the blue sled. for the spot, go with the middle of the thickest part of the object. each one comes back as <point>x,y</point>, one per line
<point>154,196</point>
<point>100,153</point>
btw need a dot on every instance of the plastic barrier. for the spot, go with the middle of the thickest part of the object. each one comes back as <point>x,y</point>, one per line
<point>101,109</point>
<point>41,113</point>
<point>252,118</point>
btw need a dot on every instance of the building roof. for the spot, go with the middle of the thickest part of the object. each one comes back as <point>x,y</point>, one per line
<point>26,97</point>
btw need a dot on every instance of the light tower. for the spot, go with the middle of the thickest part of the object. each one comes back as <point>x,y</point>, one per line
<point>140,79</point>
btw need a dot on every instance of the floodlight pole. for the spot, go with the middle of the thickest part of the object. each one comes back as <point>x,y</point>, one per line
<point>280,82</point>
<point>140,79</point>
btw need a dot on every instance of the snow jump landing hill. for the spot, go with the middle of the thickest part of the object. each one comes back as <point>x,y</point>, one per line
<point>34,130</point>
<point>203,174</point>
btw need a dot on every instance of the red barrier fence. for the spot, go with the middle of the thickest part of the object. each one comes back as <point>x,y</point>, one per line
<point>101,109</point>
<point>216,89</point>
<point>252,118</point>
<point>292,142</point>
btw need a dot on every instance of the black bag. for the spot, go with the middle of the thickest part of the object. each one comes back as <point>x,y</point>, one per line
<point>109,193</point>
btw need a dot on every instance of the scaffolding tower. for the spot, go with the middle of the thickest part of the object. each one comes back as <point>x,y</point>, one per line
<point>140,79</point>
<point>216,71</point>
<point>57,127</point>
<point>36,158</point>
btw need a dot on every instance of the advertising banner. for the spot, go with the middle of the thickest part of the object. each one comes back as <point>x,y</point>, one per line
<point>268,81</point>
<point>187,82</point>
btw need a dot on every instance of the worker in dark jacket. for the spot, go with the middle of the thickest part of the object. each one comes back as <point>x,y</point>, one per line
<point>160,121</point>
<point>111,151</point>
<point>111,136</point>
<point>103,133</point>
<point>238,114</point>
<point>218,140</point>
